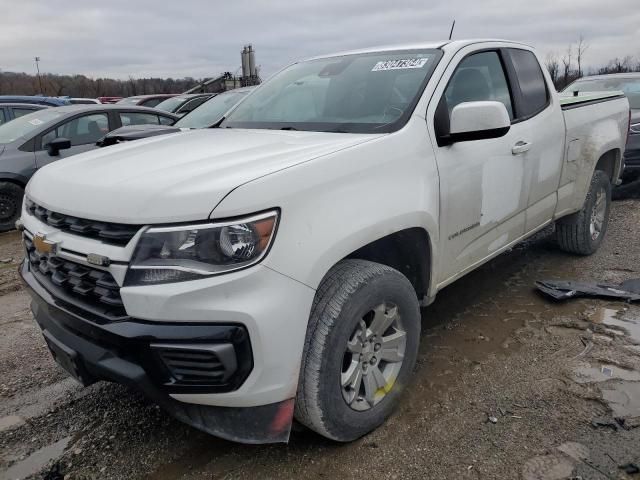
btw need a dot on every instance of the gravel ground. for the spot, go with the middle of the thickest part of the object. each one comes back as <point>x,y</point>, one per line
<point>508,385</point>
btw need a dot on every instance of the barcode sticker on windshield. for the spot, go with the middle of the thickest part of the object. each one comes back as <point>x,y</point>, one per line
<point>399,64</point>
<point>36,122</point>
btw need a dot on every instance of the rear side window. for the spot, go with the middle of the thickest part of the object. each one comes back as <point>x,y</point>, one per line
<point>134,118</point>
<point>18,112</point>
<point>533,88</point>
<point>152,102</point>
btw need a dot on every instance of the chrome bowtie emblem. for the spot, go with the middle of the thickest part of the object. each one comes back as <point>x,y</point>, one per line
<point>44,246</point>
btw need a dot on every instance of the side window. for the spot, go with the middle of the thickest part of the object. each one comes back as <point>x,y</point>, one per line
<point>152,102</point>
<point>135,118</point>
<point>479,77</point>
<point>192,104</point>
<point>2,116</point>
<point>18,112</point>
<point>533,87</point>
<point>166,120</point>
<point>48,137</point>
<point>81,131</point>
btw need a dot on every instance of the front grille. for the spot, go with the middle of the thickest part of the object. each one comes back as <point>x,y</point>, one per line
<point>114,233</point>
<point>90,289</point>
<point>198,364</point>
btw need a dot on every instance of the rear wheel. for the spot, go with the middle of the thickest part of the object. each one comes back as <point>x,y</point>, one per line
<point>10,205</point>
<point>583,232</point>
<point>360,350</point>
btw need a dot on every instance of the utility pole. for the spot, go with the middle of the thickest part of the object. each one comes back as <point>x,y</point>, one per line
<point>37,59</point>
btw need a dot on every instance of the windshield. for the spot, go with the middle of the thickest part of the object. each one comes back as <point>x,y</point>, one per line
<point>210,111</point>
<point>361,93</point>
<point>630,86</point>
<point>21,127</point>
<point>171,104</point>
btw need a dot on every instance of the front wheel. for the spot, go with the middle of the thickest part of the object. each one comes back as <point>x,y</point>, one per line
<point>360,350</point>
<point>10,205</point>
<point>583,232</point>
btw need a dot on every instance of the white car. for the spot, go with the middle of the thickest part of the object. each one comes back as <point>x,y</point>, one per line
<point>275,266</point>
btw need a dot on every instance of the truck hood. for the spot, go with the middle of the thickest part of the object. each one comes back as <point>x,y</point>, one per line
<point>174,178</point>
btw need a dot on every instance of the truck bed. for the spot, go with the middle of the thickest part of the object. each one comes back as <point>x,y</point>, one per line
<point>594,124</point>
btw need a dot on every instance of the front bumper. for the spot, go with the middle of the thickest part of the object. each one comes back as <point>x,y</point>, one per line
<point>121,352</point>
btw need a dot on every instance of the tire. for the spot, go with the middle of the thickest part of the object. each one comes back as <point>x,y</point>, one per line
<point>10,205</point>
<point>352,292</point>
<point>577,233</point>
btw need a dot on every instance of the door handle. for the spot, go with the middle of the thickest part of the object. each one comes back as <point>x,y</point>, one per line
<point>520,147</point>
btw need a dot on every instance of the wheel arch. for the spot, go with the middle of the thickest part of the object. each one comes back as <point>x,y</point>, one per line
<point>16,179</point>
<point>410,251</point>
<point>610,162</point>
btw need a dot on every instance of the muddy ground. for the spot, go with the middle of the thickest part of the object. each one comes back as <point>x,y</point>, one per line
<point>508,385</point>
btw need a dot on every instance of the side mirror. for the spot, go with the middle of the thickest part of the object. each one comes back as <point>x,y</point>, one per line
<point>478,121</point>
<point>58,144</point>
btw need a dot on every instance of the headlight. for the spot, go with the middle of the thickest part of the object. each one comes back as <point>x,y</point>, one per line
<point>189,252</point>
<point>635,128</point>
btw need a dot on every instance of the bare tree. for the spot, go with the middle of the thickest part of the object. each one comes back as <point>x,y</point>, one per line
<point>581,48</point>
<point>566,63</point>
<point>553,66</point>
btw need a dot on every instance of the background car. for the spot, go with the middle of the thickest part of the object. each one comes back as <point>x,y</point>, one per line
<point>629,83</point>
<point>35,99</point>
<point>39,138</point>
<point>205,116</point>
<point>10,111</point>
<point>146,100</point>
<point>83,101</point>
<point>183,104</point>
<point>109,99</point>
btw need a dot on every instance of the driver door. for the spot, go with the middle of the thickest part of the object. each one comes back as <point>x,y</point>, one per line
<point>83,132</point>
<point>484,184</point>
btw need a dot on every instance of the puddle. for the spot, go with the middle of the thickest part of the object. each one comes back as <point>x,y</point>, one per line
<point>36,461</point>
<point>10,421</point>
<point>621,391</point>
<point>623,398</point>
<point>590,374</point>
<point>610,318</point>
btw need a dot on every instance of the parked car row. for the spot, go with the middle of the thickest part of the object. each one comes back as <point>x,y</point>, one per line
<point>206,115</point>
<point>36,139</point>
<point>38,135</point>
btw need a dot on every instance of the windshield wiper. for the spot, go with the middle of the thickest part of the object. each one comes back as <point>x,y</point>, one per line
<point>289,128</point>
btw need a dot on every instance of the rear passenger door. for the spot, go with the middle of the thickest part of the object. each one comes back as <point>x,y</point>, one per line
<point>536,108</point>
<point>83,132</point>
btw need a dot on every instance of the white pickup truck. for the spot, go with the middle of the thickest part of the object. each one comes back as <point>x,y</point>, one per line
<point>274,267</point>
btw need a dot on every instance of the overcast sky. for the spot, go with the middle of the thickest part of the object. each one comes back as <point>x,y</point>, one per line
<point>201,38</point>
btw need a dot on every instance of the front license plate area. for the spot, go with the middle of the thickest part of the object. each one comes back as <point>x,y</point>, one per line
<point>67,359</point>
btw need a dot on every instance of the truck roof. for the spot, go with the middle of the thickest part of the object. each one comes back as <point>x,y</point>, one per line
<point>456,44</point>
